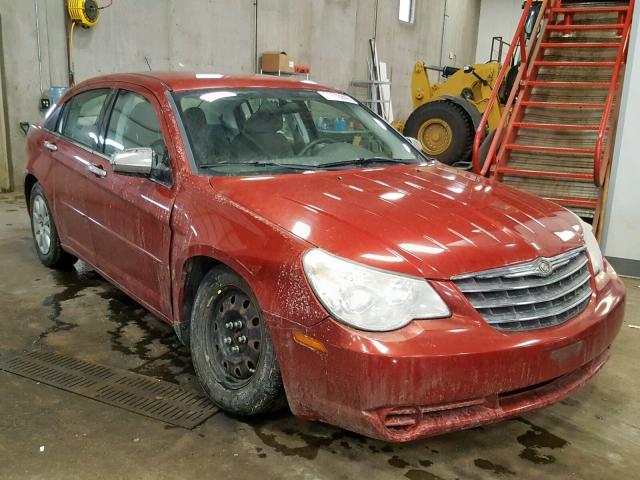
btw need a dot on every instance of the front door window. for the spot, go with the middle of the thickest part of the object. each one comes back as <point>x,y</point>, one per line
<point>134,124</point>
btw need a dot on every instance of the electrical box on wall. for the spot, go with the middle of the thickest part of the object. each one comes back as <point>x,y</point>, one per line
<point>53,96</point>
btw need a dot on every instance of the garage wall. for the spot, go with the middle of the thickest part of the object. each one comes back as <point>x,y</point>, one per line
<point>621,239</point>
<point>328,35</point>
<point>498,18</point>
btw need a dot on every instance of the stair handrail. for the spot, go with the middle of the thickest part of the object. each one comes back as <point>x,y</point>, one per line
<point>519,39</point>
<point>599,167</point>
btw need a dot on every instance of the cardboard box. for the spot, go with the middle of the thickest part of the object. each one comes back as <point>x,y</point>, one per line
<point>274,62</point>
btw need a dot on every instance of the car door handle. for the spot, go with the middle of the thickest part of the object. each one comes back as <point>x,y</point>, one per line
<point>96,170</point>
<point>52,147</point>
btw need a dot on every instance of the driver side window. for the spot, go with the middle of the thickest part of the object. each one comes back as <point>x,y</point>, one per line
<point>134,124</point>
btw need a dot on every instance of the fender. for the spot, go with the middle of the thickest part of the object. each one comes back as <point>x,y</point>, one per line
<point>471,110</point>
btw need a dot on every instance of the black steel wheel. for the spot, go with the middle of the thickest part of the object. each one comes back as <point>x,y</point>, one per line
<point>231,347</point>
<point>236,337</point>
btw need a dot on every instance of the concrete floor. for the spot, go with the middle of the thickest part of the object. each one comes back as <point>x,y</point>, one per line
<point>52,434</point>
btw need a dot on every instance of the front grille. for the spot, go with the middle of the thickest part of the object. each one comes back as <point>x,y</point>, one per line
<point>537,294</point>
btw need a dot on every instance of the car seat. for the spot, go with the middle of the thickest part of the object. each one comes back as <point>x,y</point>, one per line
<point>261,135</point>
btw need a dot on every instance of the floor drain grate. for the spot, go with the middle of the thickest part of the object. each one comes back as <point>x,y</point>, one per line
<point>144,395</point>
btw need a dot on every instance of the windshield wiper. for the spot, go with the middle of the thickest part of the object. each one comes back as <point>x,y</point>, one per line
<point>362,161</point>
<point>290,166</point>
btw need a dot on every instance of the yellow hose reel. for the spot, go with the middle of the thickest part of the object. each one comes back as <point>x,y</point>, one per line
<point>83,12</point>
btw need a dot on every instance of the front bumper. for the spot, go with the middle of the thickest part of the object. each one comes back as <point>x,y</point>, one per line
<point>436,376</point>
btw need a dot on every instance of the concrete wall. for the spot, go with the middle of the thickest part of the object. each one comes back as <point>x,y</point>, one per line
<point>219,35</point>
<point>621,239</point>
<point>498,18</point>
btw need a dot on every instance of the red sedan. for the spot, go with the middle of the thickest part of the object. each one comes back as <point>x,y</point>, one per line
<point>307,253</point>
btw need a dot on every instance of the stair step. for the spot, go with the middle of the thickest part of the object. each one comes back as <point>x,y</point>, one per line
<point>553,138</point>
<point>580,195</point>
<point>580,55</point>
<point>592,36</point>
<point>562,116</point>
<point>555,126</point>
<point>591,9</point>
<point>541,83</point>
<point>595,4</point>
<point>595,26</point>
<point>567,138</point>
<point>537,148</point>
<point>569,95</point>
<point>560,162</point>
<point>590,17</point>
<point>543,63</point>
<point>580,45</point>
<point>579,106</point>
<point>543,173</point>
<point>579,190</point>
<point>568,74</point>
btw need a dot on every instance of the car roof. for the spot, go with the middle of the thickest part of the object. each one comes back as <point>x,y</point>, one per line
<point>178,81</point>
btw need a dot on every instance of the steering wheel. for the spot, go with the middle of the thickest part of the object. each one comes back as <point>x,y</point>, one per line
<point>314,143</point>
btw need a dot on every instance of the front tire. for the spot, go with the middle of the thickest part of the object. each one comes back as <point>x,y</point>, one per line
<point>231,348</point>
<point>45,233</point>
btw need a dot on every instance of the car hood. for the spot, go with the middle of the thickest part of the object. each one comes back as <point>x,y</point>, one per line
<point>426,220</point>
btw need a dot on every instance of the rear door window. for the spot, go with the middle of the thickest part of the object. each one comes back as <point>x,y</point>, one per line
<point>82,117</point>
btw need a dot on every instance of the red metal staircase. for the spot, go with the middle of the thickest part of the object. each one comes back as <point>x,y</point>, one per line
<point>558,127</point>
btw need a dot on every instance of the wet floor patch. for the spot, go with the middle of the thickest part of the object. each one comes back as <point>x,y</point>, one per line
<point>398,462</point>
<point>134,333</point>
<point>282,434</point>
<point>73,283</point>
<point>300,442</point>
<point>414,474</point>
<point>493,467</point>
<point>139,334</point>
<point>537,441</point>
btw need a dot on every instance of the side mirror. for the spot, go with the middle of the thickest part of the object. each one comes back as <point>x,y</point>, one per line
<point>415,143</point>
<point>138,161</point>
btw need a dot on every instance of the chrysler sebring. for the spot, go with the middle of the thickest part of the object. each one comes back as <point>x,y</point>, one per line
<point>308,254</point>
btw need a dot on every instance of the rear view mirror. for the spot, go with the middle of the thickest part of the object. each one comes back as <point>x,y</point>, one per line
<point>138,161</point>
<point>415,143</point>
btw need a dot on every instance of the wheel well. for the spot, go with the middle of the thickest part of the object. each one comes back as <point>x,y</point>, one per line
<point>29,182</point>
<point>194,271</point>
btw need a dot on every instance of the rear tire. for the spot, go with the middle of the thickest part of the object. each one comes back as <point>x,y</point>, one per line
<point>45,233</point>
<point>444,130</point>
<point>231,348</point>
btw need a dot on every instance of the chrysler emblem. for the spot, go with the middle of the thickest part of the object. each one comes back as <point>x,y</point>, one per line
<point>544,267</point>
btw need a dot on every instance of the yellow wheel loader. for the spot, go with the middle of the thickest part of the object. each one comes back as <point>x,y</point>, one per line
<point>446,114</point>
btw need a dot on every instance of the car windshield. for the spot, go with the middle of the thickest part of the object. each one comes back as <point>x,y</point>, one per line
<point>253,131</point>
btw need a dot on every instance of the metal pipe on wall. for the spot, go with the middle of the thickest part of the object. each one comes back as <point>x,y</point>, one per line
<point>375,21</point>
<point>35,3</point>
<point>444,27</point>
<point>256,60</point>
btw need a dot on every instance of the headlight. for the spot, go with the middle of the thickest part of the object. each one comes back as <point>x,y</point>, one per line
<point>593,249</point>
<point>367,298</point>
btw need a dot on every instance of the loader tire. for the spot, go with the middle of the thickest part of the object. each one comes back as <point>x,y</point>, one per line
<point>444,129</point>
